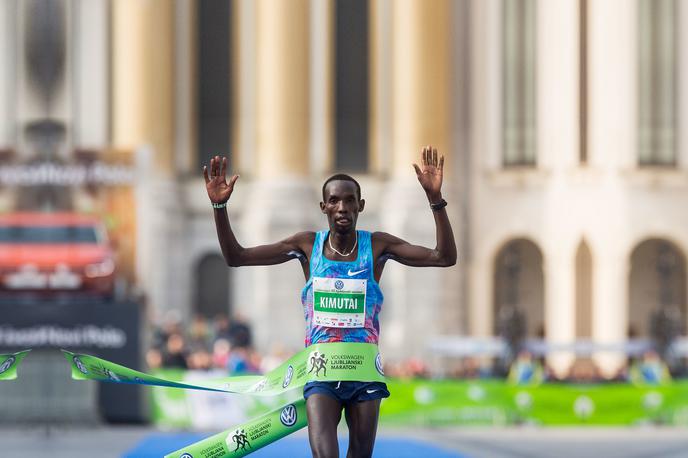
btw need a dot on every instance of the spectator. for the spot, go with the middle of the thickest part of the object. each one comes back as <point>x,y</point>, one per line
<point>174,356</point>
<point>525,371</point>
<point>239,333</point>
<point>650,370</point>
<point>200,332</point>
<point>199,359</point>
<point>154,358</point>
<point>221,350</point>
<point>221,326</point>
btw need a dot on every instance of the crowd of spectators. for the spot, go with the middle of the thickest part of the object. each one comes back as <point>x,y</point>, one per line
<point>225,343</point>
<point>222,342</point>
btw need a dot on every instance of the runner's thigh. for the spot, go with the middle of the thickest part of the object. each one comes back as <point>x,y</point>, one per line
<point>324,413</point>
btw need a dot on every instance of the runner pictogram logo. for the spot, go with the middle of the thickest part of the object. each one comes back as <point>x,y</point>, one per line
<point>288,415</point>
<point>5,366</point>
<point>111,375</point>
<point>241,440</point>
<point>318,362</point>
<point>260,386</point>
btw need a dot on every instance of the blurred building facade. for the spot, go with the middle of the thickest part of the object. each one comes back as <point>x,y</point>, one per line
<point>561,120</point>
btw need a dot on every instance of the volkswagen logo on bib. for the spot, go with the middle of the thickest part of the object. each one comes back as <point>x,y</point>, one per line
<point>378,364</point>
<point>339,284</point>
<point>287,376</point>
<point>186,455</point>
<point>7,364</point>
<point>288,415</point>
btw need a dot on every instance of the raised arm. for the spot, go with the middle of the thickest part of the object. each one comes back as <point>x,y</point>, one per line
<point>444,253</point>
<point>219,192</point>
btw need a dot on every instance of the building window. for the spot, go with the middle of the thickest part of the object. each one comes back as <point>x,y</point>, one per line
<point>583,82</point>
<point>214,67</point>
<point>351,96</point>
<point>657,109</point>
<point>518,82</point>
<point>519,291</point>
<point>657,289</point>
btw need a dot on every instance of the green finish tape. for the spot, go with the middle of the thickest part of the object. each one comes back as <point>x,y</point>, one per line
<point>9,363</point>
<point>340,361</point>
<point>250,436</point>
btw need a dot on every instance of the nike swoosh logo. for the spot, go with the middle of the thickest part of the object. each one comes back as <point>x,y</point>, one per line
<point>351,274</point>
<point>371,391</point>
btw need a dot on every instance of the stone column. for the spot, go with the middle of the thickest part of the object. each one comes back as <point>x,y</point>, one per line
<point>143,122</point>
<point>282,89</point>
<point>558,140</point>
<point>560,313</point>
<point>8,74</point>
<point>612,116</point>
<point>281,198</point>
<point>143,78</point>
<point>610,308</point>
<point>90,120</point>
<point>422,80</point>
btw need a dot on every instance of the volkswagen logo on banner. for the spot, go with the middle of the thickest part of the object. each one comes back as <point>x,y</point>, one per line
<point>7,364</point>
<point>288,415</point>
<point>79,365</point>
<point>287,376</point>
<point>378,364</point>
<point>186,455</point>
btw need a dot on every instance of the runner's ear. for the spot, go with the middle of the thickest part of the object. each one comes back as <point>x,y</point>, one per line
<point>322,207</point>
<point>361,205</point>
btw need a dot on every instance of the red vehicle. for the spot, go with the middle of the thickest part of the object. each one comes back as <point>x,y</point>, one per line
<point>55,252</point>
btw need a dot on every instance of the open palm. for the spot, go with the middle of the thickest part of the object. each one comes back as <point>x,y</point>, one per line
<point>430,173</point>
<point>219,190</point>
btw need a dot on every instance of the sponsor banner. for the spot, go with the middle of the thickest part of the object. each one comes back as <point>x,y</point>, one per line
<point>9,363</point>
<point>495,402</point>
<point>250,436</point>
<point>484,402</point>
<point>110,330</point>
<point>324,362</point>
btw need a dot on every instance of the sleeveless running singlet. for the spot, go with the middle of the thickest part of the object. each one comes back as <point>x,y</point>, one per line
<point>341,299</point>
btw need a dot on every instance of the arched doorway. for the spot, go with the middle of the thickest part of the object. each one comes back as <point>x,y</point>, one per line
<point>656,284</point>
<point>212,287</point>
<point>519,288</point>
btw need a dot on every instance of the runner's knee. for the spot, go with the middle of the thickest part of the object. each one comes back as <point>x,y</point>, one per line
<point>360,445</point>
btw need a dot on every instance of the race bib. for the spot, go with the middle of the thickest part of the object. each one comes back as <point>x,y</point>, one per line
<point>339,302</point>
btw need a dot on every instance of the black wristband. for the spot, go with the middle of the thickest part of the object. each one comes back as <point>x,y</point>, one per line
<point>439,205</point>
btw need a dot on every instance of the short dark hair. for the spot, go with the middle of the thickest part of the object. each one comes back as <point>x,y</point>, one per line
<point>342,177</point>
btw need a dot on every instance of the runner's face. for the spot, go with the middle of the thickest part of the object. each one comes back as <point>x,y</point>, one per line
<point>341,206</point>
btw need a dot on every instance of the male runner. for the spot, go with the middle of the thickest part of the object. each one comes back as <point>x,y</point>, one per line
<point>343,253</point>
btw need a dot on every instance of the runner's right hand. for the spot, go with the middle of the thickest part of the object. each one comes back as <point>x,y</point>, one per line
<point>216,184</point>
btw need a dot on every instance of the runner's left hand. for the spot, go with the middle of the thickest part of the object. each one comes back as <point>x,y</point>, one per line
<point>430,174</point>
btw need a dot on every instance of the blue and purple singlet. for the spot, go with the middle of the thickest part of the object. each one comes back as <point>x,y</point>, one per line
<point>341,299</point>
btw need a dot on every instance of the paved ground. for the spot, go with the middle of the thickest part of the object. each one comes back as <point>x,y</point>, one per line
<point>118,442</point>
